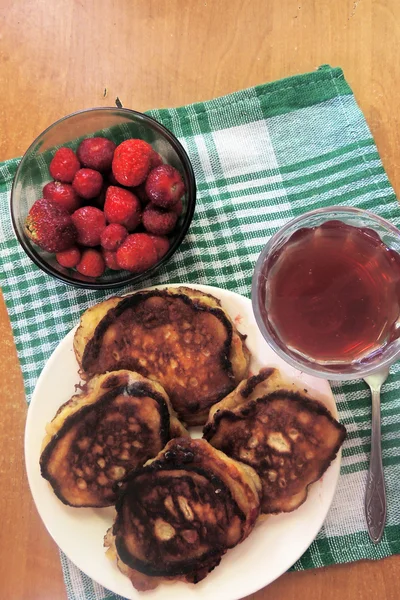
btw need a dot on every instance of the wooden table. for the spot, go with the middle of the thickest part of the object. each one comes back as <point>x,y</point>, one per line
<point>60,56</point>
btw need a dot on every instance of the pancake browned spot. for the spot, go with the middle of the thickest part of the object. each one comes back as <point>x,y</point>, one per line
<point>116,424</point>
<point>181,512</point>
<point>179,337</point>
<point>287,437</point>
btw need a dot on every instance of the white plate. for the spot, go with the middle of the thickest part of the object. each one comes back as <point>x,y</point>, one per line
<point>273,546</point>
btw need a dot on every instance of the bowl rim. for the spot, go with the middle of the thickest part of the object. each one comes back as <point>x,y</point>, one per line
<point>134,278</point>
<point>318,370</point>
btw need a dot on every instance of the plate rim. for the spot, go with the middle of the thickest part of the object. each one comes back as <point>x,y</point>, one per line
<point>336,463</point>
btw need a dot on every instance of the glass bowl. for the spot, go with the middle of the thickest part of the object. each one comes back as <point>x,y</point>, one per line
<point>385,355</point>
<point>117,124</point>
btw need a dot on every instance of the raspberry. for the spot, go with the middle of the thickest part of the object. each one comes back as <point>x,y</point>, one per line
<point>121,206</point>
<point>50,226</point>
<point>96,153</point>
<point>90,223</point>
<point>131,162</point>
<point>155,160</point>
<point>64,165</point>
<point>158,221</point>
<point>137,253</point>
<point>110,258</point>
<point>69,258</point>
<point>113,236</point>
<point>164,186</point>
<point>87,183</point>
<point>62,193</point>
<point>91,263</point>
<point>161,244</point>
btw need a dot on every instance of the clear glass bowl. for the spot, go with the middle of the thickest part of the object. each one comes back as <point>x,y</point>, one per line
<point>117,124</point>
<point>387,354</point>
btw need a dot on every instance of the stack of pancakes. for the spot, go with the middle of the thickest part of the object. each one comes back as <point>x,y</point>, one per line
<point>153,361</point>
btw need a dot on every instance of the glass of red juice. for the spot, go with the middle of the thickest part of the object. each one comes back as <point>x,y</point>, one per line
<point>326,293</point>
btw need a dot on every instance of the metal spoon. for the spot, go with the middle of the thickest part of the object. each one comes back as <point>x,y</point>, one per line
<point>375,494</point>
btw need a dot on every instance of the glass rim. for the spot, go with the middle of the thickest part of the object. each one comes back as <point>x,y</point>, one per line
<point>318,370</point>
<point>130,278</point>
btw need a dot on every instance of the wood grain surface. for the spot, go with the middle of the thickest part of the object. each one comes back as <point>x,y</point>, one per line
<point>64,55</point>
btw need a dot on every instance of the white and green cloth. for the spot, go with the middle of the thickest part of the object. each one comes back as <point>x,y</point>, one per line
<point>261,157</point>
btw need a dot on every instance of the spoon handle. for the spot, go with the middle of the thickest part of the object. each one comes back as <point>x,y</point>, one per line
<point>375,495</point>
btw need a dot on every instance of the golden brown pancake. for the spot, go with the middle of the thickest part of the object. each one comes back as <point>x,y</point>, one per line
<point>116,424</point>
<point>286,436</point>
<point>180,513</point>
<point>180,337</point>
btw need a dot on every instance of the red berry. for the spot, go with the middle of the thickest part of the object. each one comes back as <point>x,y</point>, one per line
<point>101,198</point>
<point>88,183</point>
<point>62,193</point>
<point>123,207</point>
<point>155,160</point>
<point>177,208</point>
<point>140,192</point>
<point>158,221</point>
<point>50,226</point>
<point>90,223</point>
<point>164,186</point>
<point>161,244</point>
<point>91,263</point>
<point>69,258</point>
<point>64,165</point>
<point>113,236</point>
<point>96,153</point>
<point>111,179</point>
<point>110,258</point>
<point>137,253</point>
<point>131,162</point>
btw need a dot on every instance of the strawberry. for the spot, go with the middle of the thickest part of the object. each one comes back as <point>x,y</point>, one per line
<point>110,258</point>
<point>63,194</point>
<point>90,223</point>
<point>64,165</point>
<point>91,263</point>
<point>132,162</point>
<point>137,253</point>
<point>161,244</point>
<point>164,186</point>
<point>101,198</point>
<point>123,207</point>
<point>69,258</point>
<point>113,236</point>
<point>158,221</point>
<point>50,226</point>
<point>155,160</point>
<point>111,179</point>
<point>177,208</point>
<point>87,183</point>
<point>140,192</point>
<point>96,153</point>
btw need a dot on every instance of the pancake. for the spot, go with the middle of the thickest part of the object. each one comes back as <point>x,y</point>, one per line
<point>289,438</point>
<point>180,513</point>
<point>180,337</point>
<point>116,424</point>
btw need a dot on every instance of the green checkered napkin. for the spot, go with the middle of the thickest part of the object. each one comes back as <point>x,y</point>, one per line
<point>261,157</point>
